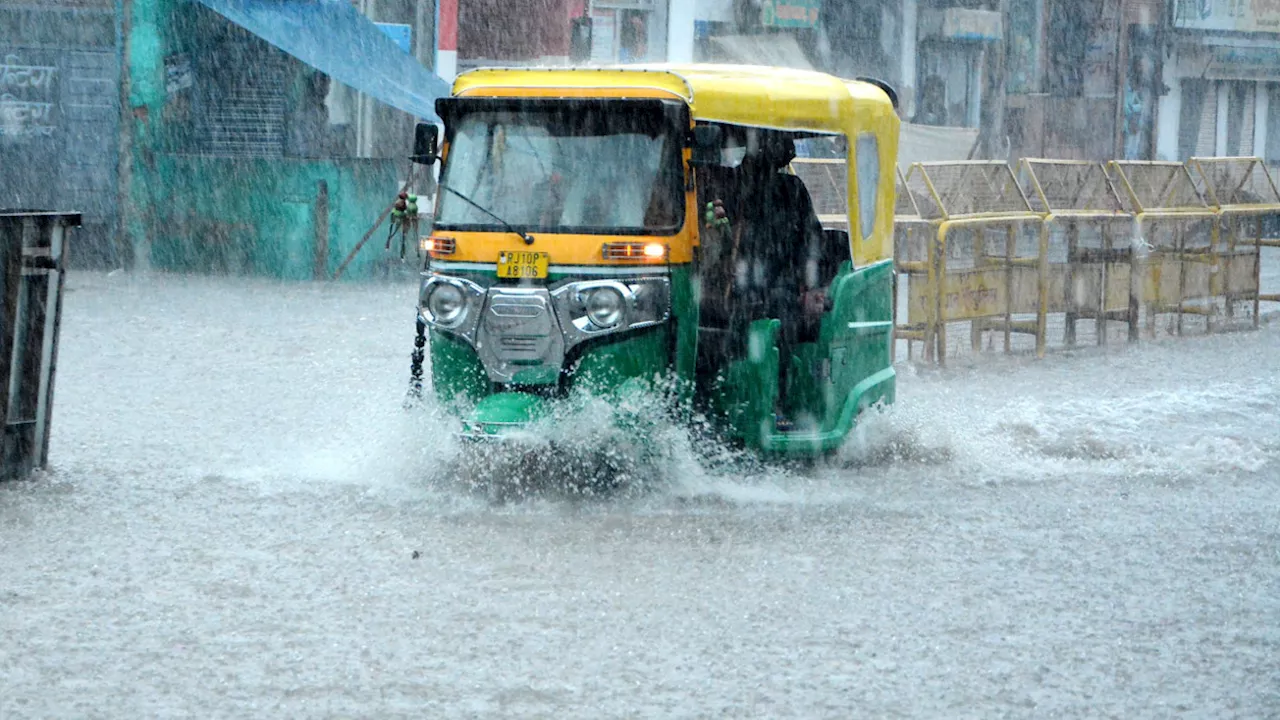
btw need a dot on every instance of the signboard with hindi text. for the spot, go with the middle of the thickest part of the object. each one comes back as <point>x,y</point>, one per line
<point>30,136</point>
<point>28,97</point>
<point>1227,15</point>
<point>790,13</point>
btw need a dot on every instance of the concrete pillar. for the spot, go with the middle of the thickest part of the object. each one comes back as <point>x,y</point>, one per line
<point>364,103</point>
<point>447,39</point>
<point>907,93</point>
<point>1224,108</point>
<point>680,19</point>
<point>1169,110</point>
<point>424,31</point>
<point>145,96</point>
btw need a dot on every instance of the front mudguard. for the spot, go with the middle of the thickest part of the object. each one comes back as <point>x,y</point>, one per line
<point>514,442</point>
<point>505,412</point>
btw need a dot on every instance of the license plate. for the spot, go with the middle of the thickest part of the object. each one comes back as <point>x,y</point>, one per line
<point>519,264</point>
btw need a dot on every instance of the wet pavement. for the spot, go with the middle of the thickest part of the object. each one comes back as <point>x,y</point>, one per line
<point>241,521</point>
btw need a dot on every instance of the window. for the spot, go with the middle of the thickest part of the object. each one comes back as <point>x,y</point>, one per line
<point>1201,132</point>
<point>1240,119</point>
<point>1272,149</point>
<point>868,168</point>
<point>555,170</point>
<point>1198,117</point>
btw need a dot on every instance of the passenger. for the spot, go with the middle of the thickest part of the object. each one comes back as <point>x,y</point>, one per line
<point>766,265</point>
<point>784,242</point>
<point>783,238</point>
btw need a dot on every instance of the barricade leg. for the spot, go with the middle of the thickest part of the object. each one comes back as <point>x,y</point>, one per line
<point>1010,250</point>
<point>1257,273</point>
<point>1217,284</point>
<point>1042,310</point>
<point>1108,252</point>
<point>1180,250</point>
<point>977,325</point>
<point>1073,314</point>
<point>1140,258</point>
<point>1225,280</point>
<point>932,301</point>
<point>939,287</point>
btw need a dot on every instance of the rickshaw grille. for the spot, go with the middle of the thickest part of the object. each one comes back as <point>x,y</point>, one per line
<point>519,330</point>
<point>520,344</point>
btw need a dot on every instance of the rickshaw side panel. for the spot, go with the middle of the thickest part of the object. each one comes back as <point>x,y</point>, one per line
<point>607,366</point>
<point>685,310</point>
<point>749,389</point>
<point>847,370</point>
<point>860,323</point>
<point>456,371</point>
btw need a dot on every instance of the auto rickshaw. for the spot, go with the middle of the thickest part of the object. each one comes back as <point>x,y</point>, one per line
<point>598,228</point>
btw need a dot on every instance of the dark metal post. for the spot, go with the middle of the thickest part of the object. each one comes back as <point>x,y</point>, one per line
<point>32,251</point>
<point>321,267</point>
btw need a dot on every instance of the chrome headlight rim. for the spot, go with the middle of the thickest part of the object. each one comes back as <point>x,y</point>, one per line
<point>646,302</point>
<point>470,297</point>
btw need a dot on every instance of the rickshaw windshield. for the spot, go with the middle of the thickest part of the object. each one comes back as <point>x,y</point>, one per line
<point>551,169</point>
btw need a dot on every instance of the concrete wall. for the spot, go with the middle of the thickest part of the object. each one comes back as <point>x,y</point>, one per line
<point>258,216</point>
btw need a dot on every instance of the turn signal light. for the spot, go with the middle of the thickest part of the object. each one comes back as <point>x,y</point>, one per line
<point>634,251</point>
<point>437,245</point>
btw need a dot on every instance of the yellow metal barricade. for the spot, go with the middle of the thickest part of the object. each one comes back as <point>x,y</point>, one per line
<point>977,270</point>
<point>1175,235</point>
<point>1089,229</point>
<point>1242,192</point>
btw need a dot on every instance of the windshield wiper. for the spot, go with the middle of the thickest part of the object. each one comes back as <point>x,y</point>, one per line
<point>526,237</point>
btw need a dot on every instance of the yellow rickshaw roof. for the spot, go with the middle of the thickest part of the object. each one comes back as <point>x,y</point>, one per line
<point>780,98</point>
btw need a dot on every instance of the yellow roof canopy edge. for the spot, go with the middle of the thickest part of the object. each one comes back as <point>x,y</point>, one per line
<point>778,98</point>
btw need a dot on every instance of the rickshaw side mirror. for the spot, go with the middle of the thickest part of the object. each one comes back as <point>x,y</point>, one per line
<point>426,144</point>
<point>705,145</point>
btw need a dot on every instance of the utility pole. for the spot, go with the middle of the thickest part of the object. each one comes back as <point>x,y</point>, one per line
<point>680,22</point>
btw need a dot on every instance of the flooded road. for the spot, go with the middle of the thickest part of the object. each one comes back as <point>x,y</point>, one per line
<point>241,522</point>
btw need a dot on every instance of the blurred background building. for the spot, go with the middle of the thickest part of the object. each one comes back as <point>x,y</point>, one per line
<point>260,136</point>
<point>266,136</point>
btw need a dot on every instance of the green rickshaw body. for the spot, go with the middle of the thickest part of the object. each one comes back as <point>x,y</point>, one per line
<point>571,243</point>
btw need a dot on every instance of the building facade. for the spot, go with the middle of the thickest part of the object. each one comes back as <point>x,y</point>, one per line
<point>60,80</point>
<point>234,156</point>
<point>1222,78</point>
<point>559,32</point>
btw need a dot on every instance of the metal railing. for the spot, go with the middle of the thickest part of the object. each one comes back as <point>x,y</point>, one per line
<point>1054,243</point>
<point>978,268</point>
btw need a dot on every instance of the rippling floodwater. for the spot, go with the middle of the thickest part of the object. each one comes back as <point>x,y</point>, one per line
<point>231,523</point>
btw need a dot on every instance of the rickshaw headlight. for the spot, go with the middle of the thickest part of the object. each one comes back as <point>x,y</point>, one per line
<point>599,307</point>
<point>446,303</point>
<point>604,307</point>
